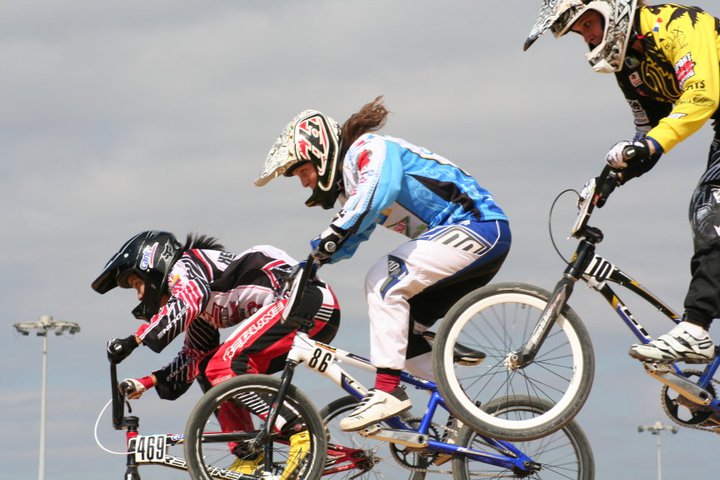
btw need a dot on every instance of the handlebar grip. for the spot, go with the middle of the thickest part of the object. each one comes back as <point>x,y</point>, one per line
<point>126,388</point>
<point>630,152</point>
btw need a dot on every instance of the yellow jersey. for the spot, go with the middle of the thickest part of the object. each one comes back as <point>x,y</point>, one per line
<point>673,85</point>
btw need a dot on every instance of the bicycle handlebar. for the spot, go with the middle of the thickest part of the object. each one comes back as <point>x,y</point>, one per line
<point>118,399</point>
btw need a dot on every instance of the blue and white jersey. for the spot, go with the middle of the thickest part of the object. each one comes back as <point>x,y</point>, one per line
<point>405,188</point>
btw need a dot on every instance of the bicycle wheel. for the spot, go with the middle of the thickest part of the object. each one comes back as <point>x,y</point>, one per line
<point>498,319</point>
<point>206,449</point>
<point>565,454</point>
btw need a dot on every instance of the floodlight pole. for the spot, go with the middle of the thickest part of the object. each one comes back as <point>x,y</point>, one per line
<point>655,429</point>
<point>42,327</point>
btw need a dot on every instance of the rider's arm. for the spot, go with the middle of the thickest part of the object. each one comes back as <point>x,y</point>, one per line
<point>376,175</point>
<point>252,278</point>
<point>695,60</point>
<point>175,378</point>
<point>646,111</point>
<point>189,293</point>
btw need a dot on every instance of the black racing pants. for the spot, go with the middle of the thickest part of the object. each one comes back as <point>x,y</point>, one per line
<point>702,303</point>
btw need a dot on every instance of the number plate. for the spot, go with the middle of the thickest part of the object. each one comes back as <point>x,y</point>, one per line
<point>149,448</point>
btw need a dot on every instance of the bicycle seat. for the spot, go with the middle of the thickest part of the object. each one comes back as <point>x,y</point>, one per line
<point>462,355</point>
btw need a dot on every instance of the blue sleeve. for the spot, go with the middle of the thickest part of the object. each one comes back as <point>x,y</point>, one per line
<point>378,187</point>
<point>348,248</point>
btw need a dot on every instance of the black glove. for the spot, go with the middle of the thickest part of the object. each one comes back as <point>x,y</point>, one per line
<point>324,245</point>
<point>118,349</point>
<point>632,158</point>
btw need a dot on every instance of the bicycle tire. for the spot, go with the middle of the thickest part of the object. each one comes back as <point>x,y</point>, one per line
<point>374,459</point>
<point>563,455</point>
<point>497,319</point>
<point>256,392</point>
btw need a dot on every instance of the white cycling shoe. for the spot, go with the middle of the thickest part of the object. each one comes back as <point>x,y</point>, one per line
<point>675,346</point>
<point>375,407</point>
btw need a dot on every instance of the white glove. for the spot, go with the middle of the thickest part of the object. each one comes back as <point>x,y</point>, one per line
<point>639,152</point>
<point>134,388</point>
<point>616,156</point>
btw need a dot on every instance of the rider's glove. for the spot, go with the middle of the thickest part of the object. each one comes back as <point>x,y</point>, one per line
<point>133,388</point>
<point>326,244</point>
<point>118,349</point>
<point>634,158</point>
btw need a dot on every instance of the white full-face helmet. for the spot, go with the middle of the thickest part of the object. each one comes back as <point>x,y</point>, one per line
<point>310,137</point>
<point>560,15</point>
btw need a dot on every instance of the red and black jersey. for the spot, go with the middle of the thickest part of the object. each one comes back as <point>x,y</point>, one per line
<point>209,290</point>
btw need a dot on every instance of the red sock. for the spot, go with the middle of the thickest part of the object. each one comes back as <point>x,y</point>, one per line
<point>387,380</point>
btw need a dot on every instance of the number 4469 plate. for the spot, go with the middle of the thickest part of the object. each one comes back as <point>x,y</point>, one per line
<point>148,448</point>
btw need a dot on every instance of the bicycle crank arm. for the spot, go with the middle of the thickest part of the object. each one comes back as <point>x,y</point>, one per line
<point>680,384</point>
<point>401,437</point>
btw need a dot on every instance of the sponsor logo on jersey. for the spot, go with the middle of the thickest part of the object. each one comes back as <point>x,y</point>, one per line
<point>253,329</point>
<point>174,281</point>
<point>401,227</point>
<point>631,61</point>
<point>684,69</point>
<point>635,79</point>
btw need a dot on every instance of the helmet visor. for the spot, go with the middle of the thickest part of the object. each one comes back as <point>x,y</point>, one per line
<point>279,159</point>
<point>114,274</point>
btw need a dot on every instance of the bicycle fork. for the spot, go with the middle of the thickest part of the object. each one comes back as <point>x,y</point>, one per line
<point>582,258</point>
<point>285,381</point>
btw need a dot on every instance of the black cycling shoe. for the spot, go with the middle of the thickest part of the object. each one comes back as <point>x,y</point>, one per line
<point>462,355</point>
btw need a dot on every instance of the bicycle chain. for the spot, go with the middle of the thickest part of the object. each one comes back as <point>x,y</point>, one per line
<point>705,426</point>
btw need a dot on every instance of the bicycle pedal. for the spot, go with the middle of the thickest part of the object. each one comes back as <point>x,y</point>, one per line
<point>370,430</point>
<point>658,368</point>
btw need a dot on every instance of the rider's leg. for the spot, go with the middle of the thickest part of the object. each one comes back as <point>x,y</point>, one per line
<point>418,359</point>
<point>390,285</point>
<point>689,341</point>
<point>260,345</point>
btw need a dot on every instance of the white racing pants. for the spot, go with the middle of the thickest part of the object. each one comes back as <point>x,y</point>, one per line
<point>413,286</point>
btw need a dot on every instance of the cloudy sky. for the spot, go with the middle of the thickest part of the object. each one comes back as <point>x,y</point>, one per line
<point>119,117</point>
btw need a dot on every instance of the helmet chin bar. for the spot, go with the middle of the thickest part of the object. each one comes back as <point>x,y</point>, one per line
<point>603,67</point>
<point>139,312</point>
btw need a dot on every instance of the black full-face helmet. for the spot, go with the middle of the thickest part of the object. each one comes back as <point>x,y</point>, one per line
<point>150,255</point>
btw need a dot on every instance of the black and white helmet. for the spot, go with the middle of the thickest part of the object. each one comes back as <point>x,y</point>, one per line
<point>310,137</point>
<point>150,255</point>
<point>560,15</point>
